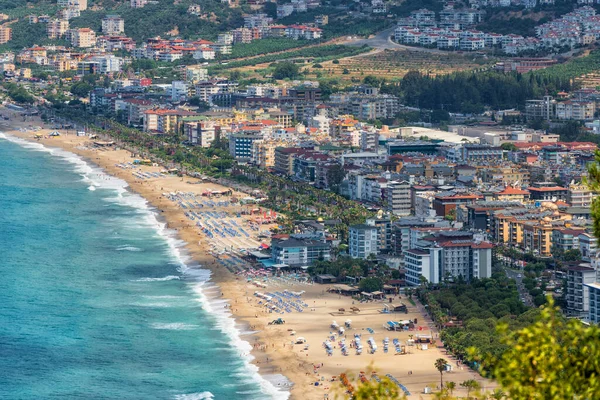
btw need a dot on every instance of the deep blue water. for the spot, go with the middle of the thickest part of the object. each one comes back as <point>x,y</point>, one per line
<point>96,299</point>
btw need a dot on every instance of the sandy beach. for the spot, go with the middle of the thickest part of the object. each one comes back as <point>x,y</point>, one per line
<point>274,346</point>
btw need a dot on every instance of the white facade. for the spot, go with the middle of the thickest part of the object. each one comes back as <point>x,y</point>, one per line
<point>113,25</point>
<point>363,241</point>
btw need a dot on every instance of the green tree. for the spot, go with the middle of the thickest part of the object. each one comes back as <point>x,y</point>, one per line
<point>451,386</point>
<point>335,175</point>
<point>370,285</point>
<point>440,365</point>
<point>470,384</point>
<point>572,255</point>
<point>554,358</point>
<point>373,390</point>
<point>201,104</point>
<point>81,89</point>
<point>509,146</point>
<point>285,70</point>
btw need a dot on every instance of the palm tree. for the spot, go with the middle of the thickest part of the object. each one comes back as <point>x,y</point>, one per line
<point>440,365</point>
<point>470,384</point>
<point>451,386</point>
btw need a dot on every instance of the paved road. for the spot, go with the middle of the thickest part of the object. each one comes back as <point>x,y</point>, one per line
<point>383,41</point>
<point>523,293</point>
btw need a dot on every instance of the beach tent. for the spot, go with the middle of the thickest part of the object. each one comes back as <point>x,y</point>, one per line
<point>55,133</point>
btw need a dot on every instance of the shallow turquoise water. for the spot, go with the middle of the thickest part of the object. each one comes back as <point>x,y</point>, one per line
<point>96,299</point>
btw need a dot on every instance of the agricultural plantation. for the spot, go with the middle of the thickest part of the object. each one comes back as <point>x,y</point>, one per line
<point>390,64</point>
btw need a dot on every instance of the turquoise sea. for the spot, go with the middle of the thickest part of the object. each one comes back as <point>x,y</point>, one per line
<point>97,298</point>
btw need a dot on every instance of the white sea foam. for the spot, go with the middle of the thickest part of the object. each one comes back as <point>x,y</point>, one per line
<point>166,297</point>
<point>128,248</point>
<point>198,278</point>
<point>92,188</point>
<point>162,279</point>
<point>157,304</point>
<point>195,396</point>
<point>176,326</point>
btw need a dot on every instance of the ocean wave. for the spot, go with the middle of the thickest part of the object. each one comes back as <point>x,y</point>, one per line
<point>92,188</point>
<point>176,326</point>
<point>128,248</point>
<point>166,297</point>
<point>227,324</point>
<point>195,396</point>
<point>198,278</point>
<point>89,173</point>
<point>162,279</point>
<point>154,305</point>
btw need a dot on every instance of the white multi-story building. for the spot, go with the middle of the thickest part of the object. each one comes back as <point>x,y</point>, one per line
<point>195,73</point>
<point>108,63</point>
<point>588,245</point>
<point>363,241</point>
<point>179,91</point>
<point>138,3</point>
<point>81,5</point>
<point>113,25</point>
<point>397,198</point>
<point>448,255</point>
<point>577,293</point>
<point>472,43</point>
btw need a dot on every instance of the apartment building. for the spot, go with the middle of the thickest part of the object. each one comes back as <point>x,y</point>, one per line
<point>579,196</point>
<point>138,3</point>
<point>397,198</point>
<point>80,5</point>
<point>540,109</point>
<point>200,133</point>
<point>5,34</point>
<point>384,233</point>
<point>363,241</point>
<point>445,202</point>
<point>299,251</point>
<point>588,245</point>
<point>576,110</point>
<point>195,73</point>
<point>113,25</point>
<point>57,28</point>
<point>578,291</point>
<point>241,144</point>
<point>448,255</point>
<point>83,37</point>
<point>593,302</point>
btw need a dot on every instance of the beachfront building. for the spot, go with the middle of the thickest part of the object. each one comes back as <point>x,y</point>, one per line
<point>363,241</point>
<point>299,251</point>
<point>448,255</point>
<point>384,233</point>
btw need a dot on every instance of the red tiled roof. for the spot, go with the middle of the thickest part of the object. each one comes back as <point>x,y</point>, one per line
<point>512,190</point>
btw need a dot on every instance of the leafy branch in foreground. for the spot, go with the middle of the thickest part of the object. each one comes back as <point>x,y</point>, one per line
<point>553,358</point>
